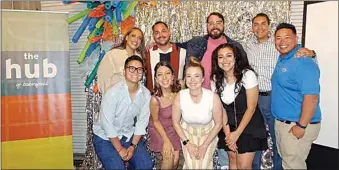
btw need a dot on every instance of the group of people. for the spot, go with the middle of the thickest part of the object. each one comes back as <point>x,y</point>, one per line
<point>208,94</point>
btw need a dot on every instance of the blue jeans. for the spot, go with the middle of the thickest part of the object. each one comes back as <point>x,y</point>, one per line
<point>223,157</point>
<point>111,159</point>
<point>264,103</point>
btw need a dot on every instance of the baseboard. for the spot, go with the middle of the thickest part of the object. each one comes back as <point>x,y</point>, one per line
<point>322,157</point>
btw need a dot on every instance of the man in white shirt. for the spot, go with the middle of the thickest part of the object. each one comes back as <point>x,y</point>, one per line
<point>123,119</point>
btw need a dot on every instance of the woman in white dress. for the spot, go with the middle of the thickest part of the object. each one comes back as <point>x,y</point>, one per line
<point>197,117</point>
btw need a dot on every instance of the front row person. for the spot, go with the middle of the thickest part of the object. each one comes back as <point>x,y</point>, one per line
<point>236,83</point>
<point>124,116</point>
<point>164,140</point>
<point>197,118</point>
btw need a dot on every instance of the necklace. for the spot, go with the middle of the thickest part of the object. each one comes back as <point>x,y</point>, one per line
<point>169,96</point>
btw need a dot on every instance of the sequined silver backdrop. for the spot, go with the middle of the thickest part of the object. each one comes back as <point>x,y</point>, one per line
<point>189,17</point>
<point>186,20</point>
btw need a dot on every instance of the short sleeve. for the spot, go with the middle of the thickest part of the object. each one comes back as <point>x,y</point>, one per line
<point>307,77</point>
<point>249,79</point>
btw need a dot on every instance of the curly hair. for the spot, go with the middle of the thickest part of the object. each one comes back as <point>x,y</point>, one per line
<point>175,87</point>
<point>240,66</point>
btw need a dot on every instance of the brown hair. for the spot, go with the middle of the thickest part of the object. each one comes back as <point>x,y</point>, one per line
<point>175,87</point>
<point>141,49</point>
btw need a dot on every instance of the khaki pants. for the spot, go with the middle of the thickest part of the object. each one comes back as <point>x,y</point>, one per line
<point>294,151</point>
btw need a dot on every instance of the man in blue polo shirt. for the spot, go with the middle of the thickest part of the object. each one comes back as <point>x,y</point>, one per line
<point>295,100</point>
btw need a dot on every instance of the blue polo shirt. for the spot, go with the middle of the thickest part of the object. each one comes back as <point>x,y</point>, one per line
<point>291,80</point>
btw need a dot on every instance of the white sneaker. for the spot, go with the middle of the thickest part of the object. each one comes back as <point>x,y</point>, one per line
<point>224,167</point>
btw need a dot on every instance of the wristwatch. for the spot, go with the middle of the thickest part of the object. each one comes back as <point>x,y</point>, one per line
<point>301,126</point>
<point>134,145</point>
<point>185,142</point>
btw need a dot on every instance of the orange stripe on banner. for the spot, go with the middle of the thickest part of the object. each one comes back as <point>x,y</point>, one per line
<point>35,116</point>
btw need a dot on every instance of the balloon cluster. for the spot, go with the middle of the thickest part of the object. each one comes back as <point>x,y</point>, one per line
<point>102,19</point>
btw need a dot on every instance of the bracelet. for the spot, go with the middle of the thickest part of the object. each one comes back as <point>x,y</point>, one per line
<point>301,126</point>
<point>120,149</point>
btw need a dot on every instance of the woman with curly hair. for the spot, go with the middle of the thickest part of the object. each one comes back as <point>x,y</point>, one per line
<point>236,83</point>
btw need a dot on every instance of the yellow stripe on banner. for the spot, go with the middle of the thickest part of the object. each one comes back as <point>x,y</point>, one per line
<point>42,153</point>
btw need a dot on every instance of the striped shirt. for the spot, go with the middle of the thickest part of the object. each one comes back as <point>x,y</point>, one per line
<point>263,58</point>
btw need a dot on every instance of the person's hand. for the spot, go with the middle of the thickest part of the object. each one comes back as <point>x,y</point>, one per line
<point>192,150</point>
<point>123,153</point>
<point>130,153</point>
<point>304,52</point>
<point>167,148</point>
<point>297,131</point>
<point>201,151</point>
<point>232,138</point>
<point>233,147</point>
<point>149,45</point>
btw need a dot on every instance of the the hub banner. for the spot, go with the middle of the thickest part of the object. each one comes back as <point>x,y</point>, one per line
<point>36,121</point>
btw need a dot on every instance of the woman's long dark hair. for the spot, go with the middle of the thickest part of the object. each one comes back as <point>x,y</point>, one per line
<point>175,87</point>
<point>241,65</point>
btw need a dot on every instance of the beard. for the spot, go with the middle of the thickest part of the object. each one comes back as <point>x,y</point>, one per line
<point>215,36</point>
<point>159,43</point>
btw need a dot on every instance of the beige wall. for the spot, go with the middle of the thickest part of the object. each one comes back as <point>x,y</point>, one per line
<point>21,5</point>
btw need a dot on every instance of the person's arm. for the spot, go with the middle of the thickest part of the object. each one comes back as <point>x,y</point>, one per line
<point>307,78</point>
<point>305,52</point>
<point>107,114</point>
<point>217,118</point>
<point>142,121</point>
<point>225,125</point>
<point>105,73</point>
<point>182,44</point>
<point>252,95</point>
<point>176,117</point>
<point>154,108</point>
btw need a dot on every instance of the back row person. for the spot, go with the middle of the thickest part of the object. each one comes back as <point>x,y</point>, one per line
<point>263,56</point>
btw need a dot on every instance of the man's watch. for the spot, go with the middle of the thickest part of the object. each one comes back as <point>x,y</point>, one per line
<point>301,126</point>
<point>185,142</point>
<point>134,145</point>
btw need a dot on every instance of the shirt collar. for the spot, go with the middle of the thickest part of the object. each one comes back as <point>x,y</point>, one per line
<point>156,48</point>
<point>291,53</point>
<point>140,90</point>
<point>269,40</point>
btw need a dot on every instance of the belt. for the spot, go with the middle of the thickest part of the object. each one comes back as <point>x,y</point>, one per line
<point>289,122</point>
<point>265,93</point>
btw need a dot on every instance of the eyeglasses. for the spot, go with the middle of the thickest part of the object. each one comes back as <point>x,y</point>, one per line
<point>132,69</point>
<point>211,23</point>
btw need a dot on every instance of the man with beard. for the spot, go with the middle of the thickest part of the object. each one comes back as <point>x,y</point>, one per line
<point>163,50</point>
<point>202,47</point>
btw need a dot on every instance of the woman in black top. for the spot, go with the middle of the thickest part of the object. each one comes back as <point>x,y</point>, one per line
<point>237,86</point>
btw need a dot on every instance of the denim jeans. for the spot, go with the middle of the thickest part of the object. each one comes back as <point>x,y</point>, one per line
<point>111,159</point>
<point>264,103</point>
<point>222,157</point>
